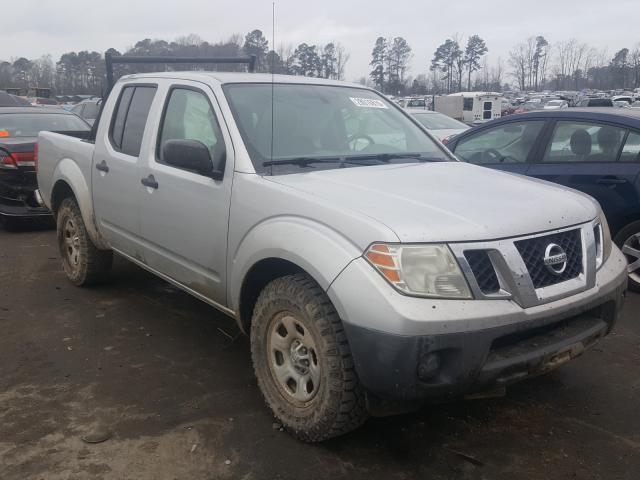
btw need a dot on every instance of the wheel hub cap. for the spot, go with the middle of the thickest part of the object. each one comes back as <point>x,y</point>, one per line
<point>293,359</point>
<point>71,242</point>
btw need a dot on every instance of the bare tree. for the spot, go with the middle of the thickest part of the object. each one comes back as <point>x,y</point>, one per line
<point>342,57</point>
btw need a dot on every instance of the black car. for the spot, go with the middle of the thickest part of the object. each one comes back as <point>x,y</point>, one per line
<point>19,127</point>
<point>596,151</point>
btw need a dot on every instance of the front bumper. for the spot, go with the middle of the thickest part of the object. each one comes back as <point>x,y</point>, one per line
<point>412,349</point>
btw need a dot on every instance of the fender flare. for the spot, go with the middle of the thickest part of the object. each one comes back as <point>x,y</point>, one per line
<point>67,171</point>
<point>316,248</point>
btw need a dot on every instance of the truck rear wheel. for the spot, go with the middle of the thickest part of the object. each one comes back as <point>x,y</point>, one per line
<point>302,361</point>
<point>83,263</point>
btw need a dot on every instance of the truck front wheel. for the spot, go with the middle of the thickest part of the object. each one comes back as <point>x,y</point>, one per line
<point>83,263</point>
<point>302,360</point>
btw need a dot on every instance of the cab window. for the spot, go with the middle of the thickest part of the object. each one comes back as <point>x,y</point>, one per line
<point>507,143</point>
<point>130,118</point>
<point>584,142</point>
<point>189,116</point>
<point>631,150</point>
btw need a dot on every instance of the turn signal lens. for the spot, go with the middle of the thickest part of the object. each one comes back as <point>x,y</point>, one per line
<point>422,270</point>
<point>4,133</point>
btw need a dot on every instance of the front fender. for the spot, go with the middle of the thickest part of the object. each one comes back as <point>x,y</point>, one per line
<point>317,248</point>
<point>69,172</point>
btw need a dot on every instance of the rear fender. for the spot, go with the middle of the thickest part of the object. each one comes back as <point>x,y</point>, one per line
<point>68,171</point>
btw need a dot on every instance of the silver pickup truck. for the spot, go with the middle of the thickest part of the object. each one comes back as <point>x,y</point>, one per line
<point>372,271</point>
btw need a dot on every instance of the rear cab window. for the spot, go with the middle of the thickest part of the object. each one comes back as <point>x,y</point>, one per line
<point>579,141</point>
<point>130,118</point>
<point>631,150</point>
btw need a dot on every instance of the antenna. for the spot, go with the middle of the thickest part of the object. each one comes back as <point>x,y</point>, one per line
<point>273,57</point>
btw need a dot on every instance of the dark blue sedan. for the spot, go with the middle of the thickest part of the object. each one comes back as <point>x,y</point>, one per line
<point>596,151</point>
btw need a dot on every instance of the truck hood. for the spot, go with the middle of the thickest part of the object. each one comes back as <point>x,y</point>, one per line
<point>447,201</point>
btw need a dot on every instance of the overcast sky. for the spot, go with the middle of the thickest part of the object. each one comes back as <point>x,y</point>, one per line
<point>34,27</point>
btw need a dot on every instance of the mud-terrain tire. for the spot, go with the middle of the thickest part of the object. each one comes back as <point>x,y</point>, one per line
<point>302,361</point>
<point>83,263</point>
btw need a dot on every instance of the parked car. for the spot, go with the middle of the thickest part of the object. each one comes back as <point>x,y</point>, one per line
<point>528,107</point>
<point>88,110</point>
<point>441,126</point>
<point>415,103</point>
<point>555,105</point>
<point>596,151</point>
<point>635,104</point>
<point>594,102</point>
<point>371,269</point>
<point>9,100</point>
<point>19,128</point>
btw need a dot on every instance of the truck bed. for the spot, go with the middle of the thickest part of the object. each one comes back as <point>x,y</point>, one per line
<point>70,155</point>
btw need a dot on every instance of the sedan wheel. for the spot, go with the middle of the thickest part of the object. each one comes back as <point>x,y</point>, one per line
<point>631,249</point>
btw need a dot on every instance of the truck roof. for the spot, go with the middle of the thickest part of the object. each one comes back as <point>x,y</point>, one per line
<point>240,77</point>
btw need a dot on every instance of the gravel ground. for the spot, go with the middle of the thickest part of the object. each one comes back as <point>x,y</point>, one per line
<point>168,382</point>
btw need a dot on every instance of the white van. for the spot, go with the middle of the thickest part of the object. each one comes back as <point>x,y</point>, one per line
<point>471,107</point>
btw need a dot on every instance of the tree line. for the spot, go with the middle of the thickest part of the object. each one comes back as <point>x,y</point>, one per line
<point>83,72</point>
<point>533,64</point>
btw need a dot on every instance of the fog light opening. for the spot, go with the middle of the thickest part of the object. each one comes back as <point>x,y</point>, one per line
<point>429,366</point>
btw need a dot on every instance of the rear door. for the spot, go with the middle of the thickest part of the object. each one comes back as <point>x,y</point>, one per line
<point>507,146</point>
<point>185,214</point>
<point>115,175</point>
<point>599,159</point>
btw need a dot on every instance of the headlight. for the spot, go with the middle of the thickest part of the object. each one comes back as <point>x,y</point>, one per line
<point>603,240</point>
<point>422,270</point>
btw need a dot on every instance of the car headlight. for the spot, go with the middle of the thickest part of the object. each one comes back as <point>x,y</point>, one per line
<point>421,270</point>
<point>603,240</point>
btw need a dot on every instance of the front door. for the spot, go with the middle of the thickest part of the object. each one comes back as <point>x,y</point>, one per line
<point>185,214</point>
<point>506,147</point>
<point>115,177</point>
<point>599,159</point>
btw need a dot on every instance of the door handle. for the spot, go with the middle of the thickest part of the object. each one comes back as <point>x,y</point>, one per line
<point>102,166</point>
<point>150,182</point>
<point>611,181</point>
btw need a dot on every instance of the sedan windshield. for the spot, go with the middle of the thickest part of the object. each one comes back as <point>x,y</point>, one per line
<point>29,124</point>
<point>438,121</point>
<point>324,127</point>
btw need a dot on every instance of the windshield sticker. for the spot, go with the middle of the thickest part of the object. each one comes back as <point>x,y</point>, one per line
<point>368,102</point>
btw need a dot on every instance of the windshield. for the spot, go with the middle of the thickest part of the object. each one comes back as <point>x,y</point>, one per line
<point>314,122</point>
<point>416,102</point>
<point>438,121</point>
<point>91,110</point>
<point>29,124</point>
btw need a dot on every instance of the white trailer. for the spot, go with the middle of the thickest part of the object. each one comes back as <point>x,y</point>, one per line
<point>470,107</point>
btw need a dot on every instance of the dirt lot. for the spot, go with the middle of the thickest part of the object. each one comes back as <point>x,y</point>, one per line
<point>166,379</point>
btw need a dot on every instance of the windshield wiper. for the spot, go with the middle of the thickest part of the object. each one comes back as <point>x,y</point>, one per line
<point>387,157</point>
<point>352,159</point>
<point>302,161</point>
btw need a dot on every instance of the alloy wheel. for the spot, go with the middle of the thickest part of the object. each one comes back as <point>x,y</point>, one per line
<point>631,248</point>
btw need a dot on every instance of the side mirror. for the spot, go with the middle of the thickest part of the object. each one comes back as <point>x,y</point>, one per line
<point>192,155</point>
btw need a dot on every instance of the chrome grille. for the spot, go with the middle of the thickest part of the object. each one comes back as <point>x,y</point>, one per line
<point>532,251</point>
<point>483,271</point>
